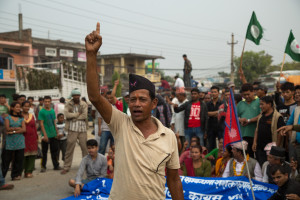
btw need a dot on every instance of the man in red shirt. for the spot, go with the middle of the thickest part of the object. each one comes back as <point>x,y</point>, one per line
<point>195,117</point>
<point>111,97</point>
<point>164,85</point>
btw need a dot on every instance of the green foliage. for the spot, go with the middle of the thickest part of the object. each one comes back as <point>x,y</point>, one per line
<point>254,65</point>
<point>116,76</point>
<point>224,74</point>
<point>286,66</point>
<point>41,80</point>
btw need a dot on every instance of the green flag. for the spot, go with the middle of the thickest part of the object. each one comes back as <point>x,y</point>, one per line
<point>292,48</point>
<point>254,31</point>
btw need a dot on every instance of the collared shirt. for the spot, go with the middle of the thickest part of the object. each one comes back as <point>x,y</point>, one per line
<point>93,168</point>
<point>179,83</point>
<point>77,125</point>
<point>211,107</point>
<point>238,168</point>
<point>178,119</point>
<point>140,162</point>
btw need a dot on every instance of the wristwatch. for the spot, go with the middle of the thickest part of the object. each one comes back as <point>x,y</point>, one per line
<point>248,120</point>
<point>14,131</point>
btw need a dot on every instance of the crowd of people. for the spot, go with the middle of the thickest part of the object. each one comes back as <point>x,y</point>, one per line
<point>134,132</point>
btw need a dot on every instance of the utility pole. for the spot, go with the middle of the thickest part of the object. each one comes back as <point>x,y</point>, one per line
<point>232,43</point>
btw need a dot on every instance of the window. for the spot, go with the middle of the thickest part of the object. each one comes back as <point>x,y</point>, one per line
<point>10,63</point>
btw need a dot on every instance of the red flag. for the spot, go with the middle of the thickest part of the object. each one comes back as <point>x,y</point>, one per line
<point>232,131</point>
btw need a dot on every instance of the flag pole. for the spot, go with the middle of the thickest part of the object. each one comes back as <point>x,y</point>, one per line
<point>242,54</point>
<point>282,66</point>
<point>241,63</point>
<point>251,185</point>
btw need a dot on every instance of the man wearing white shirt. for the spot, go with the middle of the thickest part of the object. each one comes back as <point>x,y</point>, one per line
<point>236,166</point>
<point>177,122</point>
<point>178,82</point>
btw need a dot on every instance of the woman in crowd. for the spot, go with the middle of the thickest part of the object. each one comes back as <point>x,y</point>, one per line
<point>222,162</point>
<point>31,140</point>
<point>196,166</point>
<point>110,163</point>
<point>15,142</point>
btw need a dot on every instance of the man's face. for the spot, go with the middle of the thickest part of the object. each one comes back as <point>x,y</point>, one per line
<point>110,98</point>
<point>76,98</point>
<point>288,94</point>
<point>180,97</point>
<point>273,160</point>
<point>279,178</point>
<point>31,101</point>
<point>260,93</point>
<point>201,95</point>
<point>207,98</point>
<point>248,96</point>
<point>2,100</point>
<point>184,58</point>
<point>47,103</point>
<point>227,96</point>
<point>195,96</point>
<point>93,150</point>
<point>214,93</point>
<point>41,102</point>
<point>264,106</point>
<point>297,95</point>
<point>235,153</point>
<point>141,105</point>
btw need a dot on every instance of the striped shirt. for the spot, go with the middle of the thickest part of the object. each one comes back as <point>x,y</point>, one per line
<point>78,125</point>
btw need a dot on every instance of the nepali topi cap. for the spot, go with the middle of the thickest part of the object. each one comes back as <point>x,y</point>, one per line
<point>239,145</point>
<point>137,82</point>
<point>278,152</point>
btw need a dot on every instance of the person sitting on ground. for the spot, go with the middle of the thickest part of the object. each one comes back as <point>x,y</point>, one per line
<point>222,162</point>
<point>196,166</point>
<point>94,164</point>
<point>236,165</point>
<point>288,189</point>
<point>215,153</point>
<point>277,157</point>
<point>186,152</point>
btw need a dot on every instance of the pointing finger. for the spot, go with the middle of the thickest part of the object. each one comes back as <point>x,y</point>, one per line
<point>98,28</point>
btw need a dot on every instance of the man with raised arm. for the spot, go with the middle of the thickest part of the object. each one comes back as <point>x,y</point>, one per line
<point>144,147</point>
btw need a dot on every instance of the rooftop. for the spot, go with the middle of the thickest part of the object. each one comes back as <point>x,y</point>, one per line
<point>131,55</point>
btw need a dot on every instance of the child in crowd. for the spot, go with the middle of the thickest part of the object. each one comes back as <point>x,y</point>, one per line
<point>110,162</point>
<point>62,135</point>
<point>94,164</point>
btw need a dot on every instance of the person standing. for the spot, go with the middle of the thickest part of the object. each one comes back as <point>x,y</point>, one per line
<point>49,132</point>
<point>14,143</point>
<point>4,110</point>
<point>248,112</point>
<point>60,107</point>
<point>31,140</point>
<point>266,131</point>
<point>212,108</point>
<point>187,69</point>
<point>76,125</point>
<point>146,151</point>
<point>195,117</point>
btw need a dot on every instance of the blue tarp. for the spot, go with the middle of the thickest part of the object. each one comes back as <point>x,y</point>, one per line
<point>194,188</point>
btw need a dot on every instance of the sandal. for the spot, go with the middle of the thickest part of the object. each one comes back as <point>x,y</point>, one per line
<point>17,178</point>
<point>28,175</point>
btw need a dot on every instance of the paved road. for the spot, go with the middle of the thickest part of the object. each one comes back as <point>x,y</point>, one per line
<point>50,185</point>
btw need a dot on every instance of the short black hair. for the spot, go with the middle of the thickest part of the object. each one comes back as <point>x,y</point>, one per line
<point>47,97</point>
<point>12,105</point>
<point>173,93</point>
<point>22,95</point>
<point>176,76</point>
<point>198,147</point>
<point>247,87</point>
<point>280,168</point>
<point>268,100</point>
<point>32,98</point>
<point>41,99</point>
<point>287,86</point>
<point>184,55</point>
<point>24,102</point>
<point>59,114</point>
<point>195,90</point>
<point>62,100</point>
<point>229,149</point>
<point>108,93</point>
<point>227,89</point>
<point>256,83</point>
<point>92,143</point>
<point>215,88</point>
<point>197,138</point>
<point>3,95</point>
<point>15,97</point>
<point>297,87</point>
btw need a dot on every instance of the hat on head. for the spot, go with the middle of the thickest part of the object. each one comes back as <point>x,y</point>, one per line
<point>75,92</point>
<point>269,146</point>
<point>137,82</point>
<point>263,87</point>
<point>230,84</point>
<point>126,94</point>
<point>278,152</point>
<point>239,145</point>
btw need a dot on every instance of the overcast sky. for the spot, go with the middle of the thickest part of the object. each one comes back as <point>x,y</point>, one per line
<point>200,29</point>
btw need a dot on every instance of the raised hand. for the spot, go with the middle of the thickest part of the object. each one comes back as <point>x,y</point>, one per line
<point>93,41</point>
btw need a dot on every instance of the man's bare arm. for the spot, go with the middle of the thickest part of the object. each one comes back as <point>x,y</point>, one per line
<point>93,42</point>
<point>174,184</point>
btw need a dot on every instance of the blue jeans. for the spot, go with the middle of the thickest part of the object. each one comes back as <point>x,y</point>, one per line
<point>2,179</point>
<point>105,136</point>
<point>190,132</point>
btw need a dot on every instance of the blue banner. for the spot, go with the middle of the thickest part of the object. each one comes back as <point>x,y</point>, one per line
<point>194,188</point>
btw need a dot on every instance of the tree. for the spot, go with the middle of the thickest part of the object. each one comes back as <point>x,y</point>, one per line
<point>116,76</point>
<point>224,74</point>
<point>254,64</point>
<point>286,66</point>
